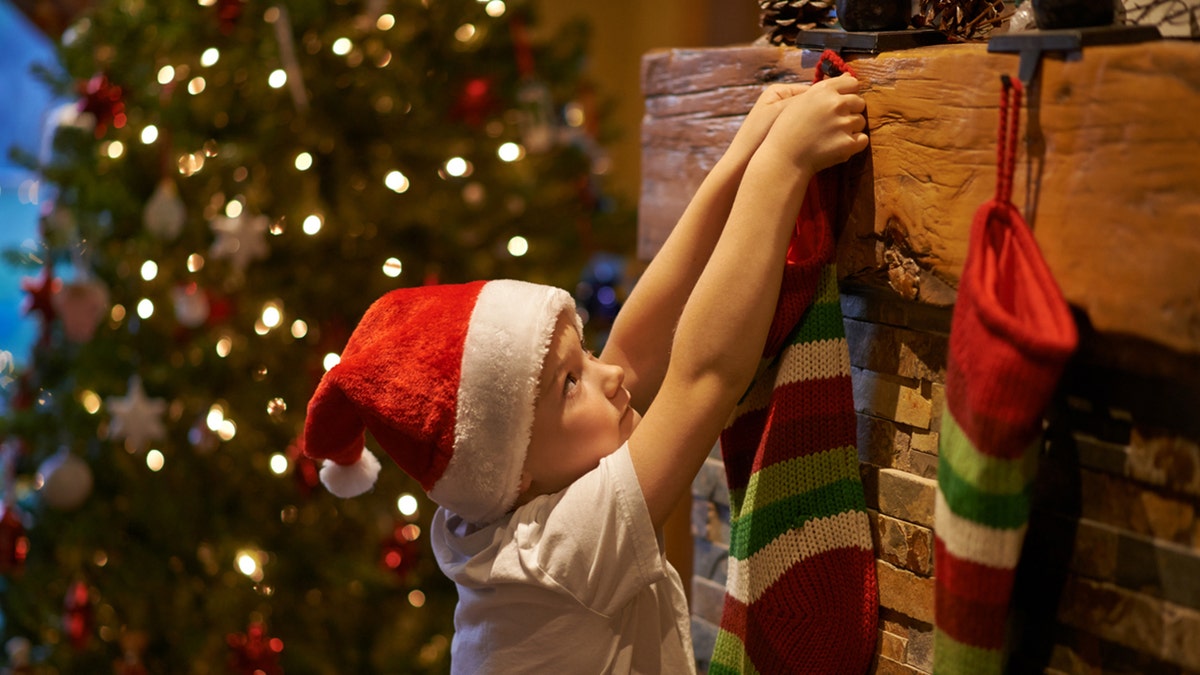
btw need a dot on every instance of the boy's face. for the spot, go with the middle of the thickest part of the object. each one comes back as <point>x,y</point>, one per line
<point>582,414</point>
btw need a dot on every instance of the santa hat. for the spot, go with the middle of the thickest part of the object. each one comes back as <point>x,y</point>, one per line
<point>445,379</point>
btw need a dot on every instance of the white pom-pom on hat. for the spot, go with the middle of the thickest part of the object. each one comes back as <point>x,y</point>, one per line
<point>350,480</point>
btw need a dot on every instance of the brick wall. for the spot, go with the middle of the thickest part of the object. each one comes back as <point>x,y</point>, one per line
<point>1110,577</point>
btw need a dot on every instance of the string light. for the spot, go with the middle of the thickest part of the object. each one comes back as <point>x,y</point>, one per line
<point>392,267</point>
<point>149,270</point>
<point>113,149</point>
<point>458,167</point>
<point>224,346</point>
<point>196,85</point>
<point>145,308</point>
<point>210,57</point>
<point>495,8</point>
<point>465,32</point>
<point>574,114</point>
<point>279,464</point>
<point>233,209</point>
<point>166,74</point>
<point>195,263</point>
<point>416,598</point>
<point>272,315</point>
<point>299,329</point>
<point>396,182</point>
<point>149,134</point>
<point>407,504</point>
<point>510,152</point>
<point>342,46</point>
<point>249,562</point>
<point>312,224</point>
<point>331,360</point>
<point>385,22</point>
<point>277,79</point>
<point>90,401</point>
<point>155,460</point>
<point>304,161</point>
<point>518,246</point>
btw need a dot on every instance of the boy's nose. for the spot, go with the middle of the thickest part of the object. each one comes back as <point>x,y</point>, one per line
<point>614,378</point>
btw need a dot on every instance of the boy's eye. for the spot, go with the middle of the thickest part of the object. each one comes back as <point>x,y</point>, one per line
<point>569,384</point>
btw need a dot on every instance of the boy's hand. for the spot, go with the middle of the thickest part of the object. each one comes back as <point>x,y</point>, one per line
<point>822,128</point>
<point>760,118</point>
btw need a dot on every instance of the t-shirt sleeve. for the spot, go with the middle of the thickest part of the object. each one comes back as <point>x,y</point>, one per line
<point>595,540</point>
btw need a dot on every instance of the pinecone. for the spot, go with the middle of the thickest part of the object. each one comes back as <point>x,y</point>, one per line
<point>784,19</point>
<point>961,20</point>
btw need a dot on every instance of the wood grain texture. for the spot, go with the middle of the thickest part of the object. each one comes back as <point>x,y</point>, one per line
<point>1108,172</point>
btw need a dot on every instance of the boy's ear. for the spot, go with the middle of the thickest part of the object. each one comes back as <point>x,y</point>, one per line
<point>526,481</point>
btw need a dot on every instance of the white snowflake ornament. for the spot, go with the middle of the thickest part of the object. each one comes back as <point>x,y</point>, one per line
<point>240,239</point>
<point>136,418</point>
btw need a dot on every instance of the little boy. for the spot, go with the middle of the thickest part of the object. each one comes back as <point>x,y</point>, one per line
<point>556,469</point>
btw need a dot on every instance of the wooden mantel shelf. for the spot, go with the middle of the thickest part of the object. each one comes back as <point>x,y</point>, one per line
<point>1108,173</point>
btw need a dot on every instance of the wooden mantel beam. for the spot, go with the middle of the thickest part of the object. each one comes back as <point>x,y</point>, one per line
<point>1108,174</point>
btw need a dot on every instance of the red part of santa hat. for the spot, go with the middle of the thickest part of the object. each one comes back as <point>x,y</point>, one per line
<point>445,378</point>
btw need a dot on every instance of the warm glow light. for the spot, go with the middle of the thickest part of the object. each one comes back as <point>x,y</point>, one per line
<point>465,32</point>
<point>210,57</point>
<point>495,8</point>
<point>272,316</point>
<point>216,415</point>
<point>277,79</point>
<point>456,166</point>
<point>114,149</point>
<point>227,430</point>
<point>155,460</point>
<point>166,74</point>
<point>304,161</point>
<point>248,563</point>
<point>385,22</point>
<point>196,85</point>
<point>416,598</point>
<point>331,360</point>
<point>573,112</point>
<point>279,464</point>
<point>342,46</point>
<point>145,308</point>
<point>224,346</point>
<point>407,504</point>
<point>396,182</point>
<point>392,267</point>
<point>195,262</point>
<point>299,329</point>
<point>518,246</point>
<point>312,224</point>
<point>149,270</point>
<point>510,152</point>
<point>149,134</point>
<point>90,401</point>
<point>233,209</point>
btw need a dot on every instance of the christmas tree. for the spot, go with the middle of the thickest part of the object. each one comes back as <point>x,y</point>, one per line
<point>238,182</point>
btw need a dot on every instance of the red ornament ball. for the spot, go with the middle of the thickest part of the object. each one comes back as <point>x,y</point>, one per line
<point>105,101</point>
<point>253,652</point>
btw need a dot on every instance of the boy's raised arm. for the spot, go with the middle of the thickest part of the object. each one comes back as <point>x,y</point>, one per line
<point>641,337</point>
<point>724,323</point>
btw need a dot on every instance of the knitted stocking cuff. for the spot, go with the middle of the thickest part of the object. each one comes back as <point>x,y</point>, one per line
<point>1010,338</point>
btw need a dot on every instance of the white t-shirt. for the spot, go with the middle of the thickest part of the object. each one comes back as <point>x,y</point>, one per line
<point>574,582</point>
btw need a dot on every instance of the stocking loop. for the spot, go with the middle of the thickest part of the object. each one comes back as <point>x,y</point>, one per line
<point>831,65</point>
<point>1006,147</point>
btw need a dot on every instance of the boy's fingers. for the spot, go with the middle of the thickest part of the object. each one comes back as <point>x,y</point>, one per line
<point>782,90</point>
<point>843,84</point>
